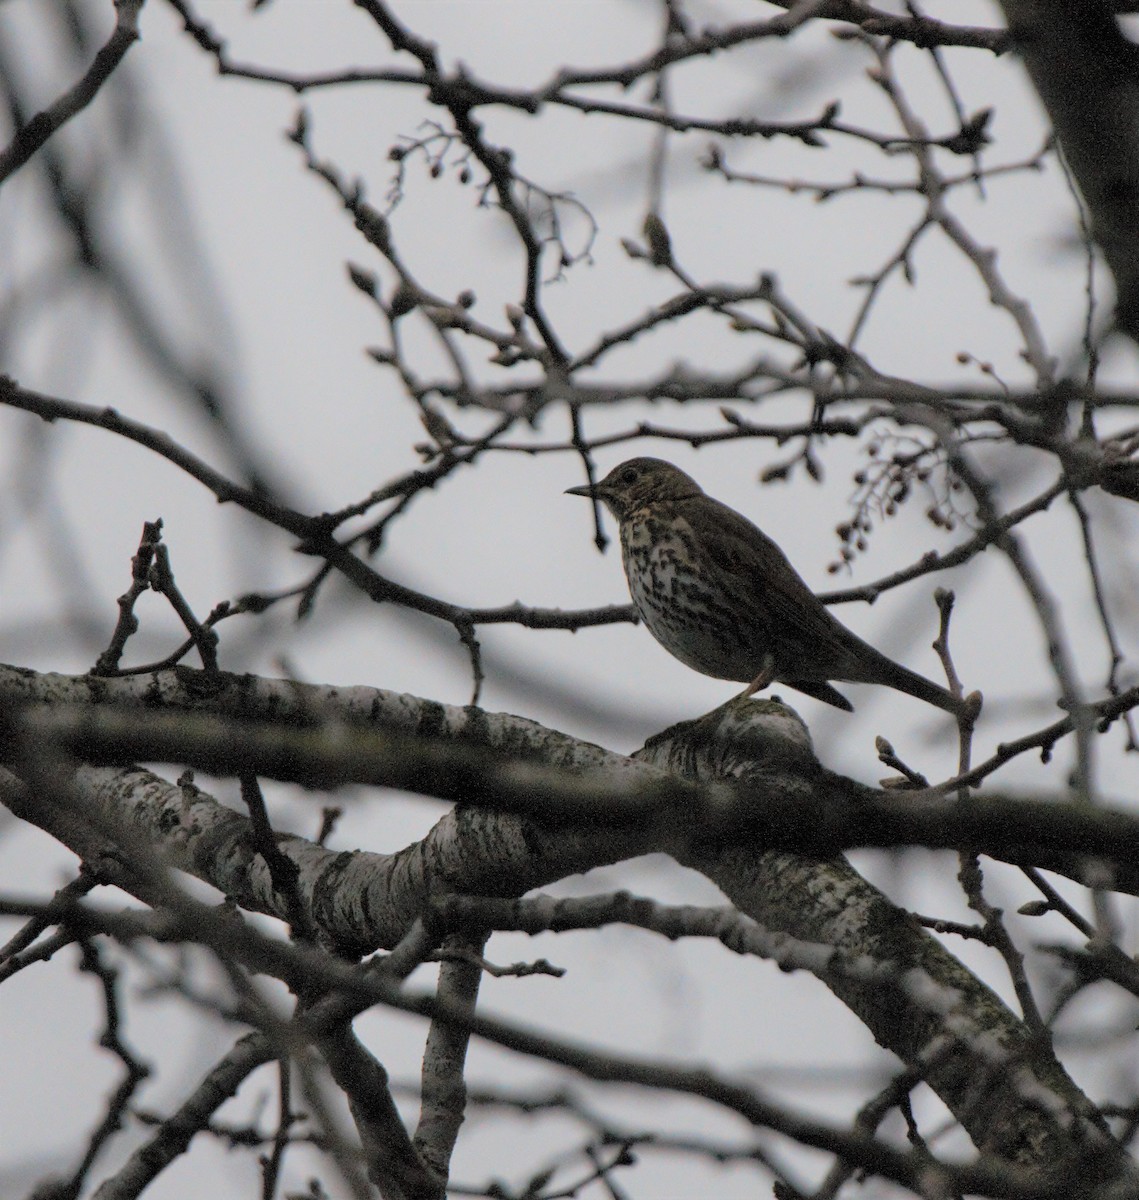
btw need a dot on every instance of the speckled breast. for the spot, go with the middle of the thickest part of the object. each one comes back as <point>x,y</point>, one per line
<point>671,590</point>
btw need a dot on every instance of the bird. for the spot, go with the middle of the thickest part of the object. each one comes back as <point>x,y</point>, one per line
<point>720,595</point>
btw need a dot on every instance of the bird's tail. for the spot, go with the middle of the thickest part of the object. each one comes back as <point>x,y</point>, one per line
<point>917,685</point>
<point>902,679</point>
<point>913,684</point>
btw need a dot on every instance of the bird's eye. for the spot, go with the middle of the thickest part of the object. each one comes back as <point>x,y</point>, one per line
<point>629,476</point>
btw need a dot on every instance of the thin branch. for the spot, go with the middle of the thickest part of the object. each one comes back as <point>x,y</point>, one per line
<point>175,1134</point>
<point>28,139</point>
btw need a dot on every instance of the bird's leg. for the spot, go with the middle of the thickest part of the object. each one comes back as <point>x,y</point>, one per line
<point>765,678</point>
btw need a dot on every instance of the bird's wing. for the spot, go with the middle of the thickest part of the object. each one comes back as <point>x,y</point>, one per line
<point>796,615</point>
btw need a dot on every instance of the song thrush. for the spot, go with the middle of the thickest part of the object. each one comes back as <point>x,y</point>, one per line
<point>720,595</point>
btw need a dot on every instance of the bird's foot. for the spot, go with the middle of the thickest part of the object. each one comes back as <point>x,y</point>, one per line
<point>765,678</point>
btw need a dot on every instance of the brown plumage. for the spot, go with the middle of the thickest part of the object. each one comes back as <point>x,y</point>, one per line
<point>720,595</point>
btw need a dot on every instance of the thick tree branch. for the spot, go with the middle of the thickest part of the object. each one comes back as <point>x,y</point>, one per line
<point>941,1021</point>
<point>793,805</point>
<point>1087,75</point>
<point>444,1088</point>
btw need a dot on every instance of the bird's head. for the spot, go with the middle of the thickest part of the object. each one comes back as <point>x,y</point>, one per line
<point>637,483</point>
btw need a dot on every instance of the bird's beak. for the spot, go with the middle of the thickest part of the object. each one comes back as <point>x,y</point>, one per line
<point>586,491</point>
